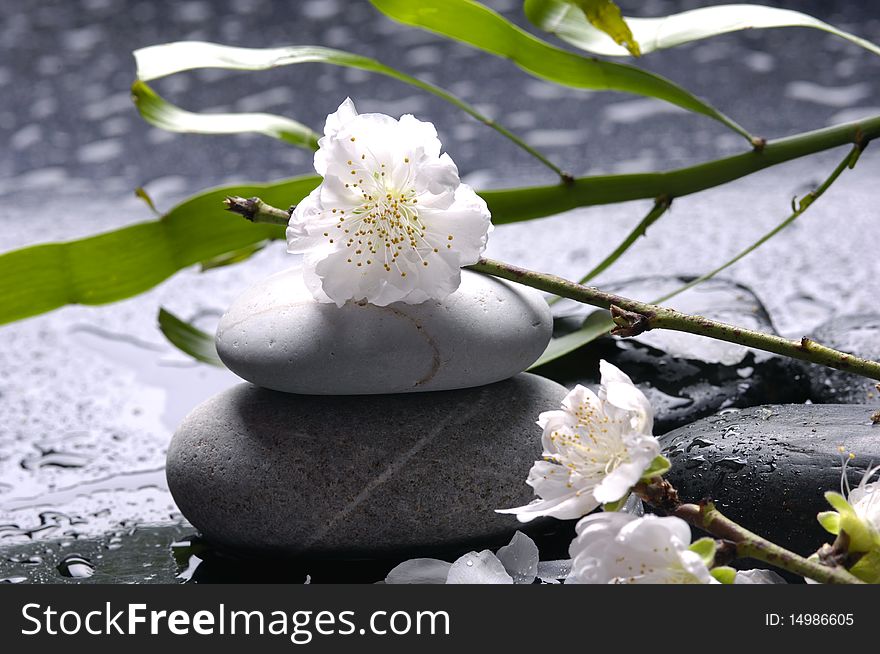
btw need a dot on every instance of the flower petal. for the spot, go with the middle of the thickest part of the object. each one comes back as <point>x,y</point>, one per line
<point>419,571</point>
<point>520,558</point>
<point>478,568</point>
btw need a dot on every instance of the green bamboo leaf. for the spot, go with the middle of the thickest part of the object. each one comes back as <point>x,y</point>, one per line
<point>161,113</point>
<point>188,339</point>
<point>236,256</point>
<point>479,26</point>
<point>122,263</point>
<point>606,16</point>
<point>166,59</point>
<point>568,23</point>
<point>596,325</point>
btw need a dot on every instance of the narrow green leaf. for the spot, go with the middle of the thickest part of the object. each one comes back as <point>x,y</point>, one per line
<point>473,23</point>
<point>236,256</point>
<point>606,16</point>
<point>166,59</point>
<point>122,263</point>
<point>596,325</point>
<point>161,113</point>
<point>568,23</point>
<point>188,339</point>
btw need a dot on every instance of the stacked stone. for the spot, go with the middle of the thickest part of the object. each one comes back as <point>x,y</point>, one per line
<point>367,430</point>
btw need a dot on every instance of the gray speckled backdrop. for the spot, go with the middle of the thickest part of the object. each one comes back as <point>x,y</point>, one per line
<point>89,396</point>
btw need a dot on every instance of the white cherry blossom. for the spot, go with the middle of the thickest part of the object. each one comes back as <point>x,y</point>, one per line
<point>619,548</point>
<point>596,448</point>
<point>865,499</point>
<point>391,220</point>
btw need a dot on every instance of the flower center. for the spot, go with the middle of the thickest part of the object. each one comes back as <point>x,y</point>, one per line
<point>385,225</point>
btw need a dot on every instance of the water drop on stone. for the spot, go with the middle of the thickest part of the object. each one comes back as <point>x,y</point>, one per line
<point>75,566</point>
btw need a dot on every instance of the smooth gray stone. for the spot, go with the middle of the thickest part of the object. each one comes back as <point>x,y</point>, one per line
<point>277,336</point>
<point>857,334</point>
<point>380,475</point>
<point>768,467</point>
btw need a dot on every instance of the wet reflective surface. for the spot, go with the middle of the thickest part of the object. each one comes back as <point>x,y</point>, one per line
<point>89,396</point>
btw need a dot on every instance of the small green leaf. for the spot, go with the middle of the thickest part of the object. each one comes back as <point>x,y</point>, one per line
<point>830,521</point>
<point>141,193</point>
<point>867,568</point>
<point>561,18</point>
<point>724,574</point>
<point>659,467</point>
<point>838,501</point>
<point>862,536</point>
<point>161,113</point>
<point>705,547</point>
<point>189,339</point>
<point>473,23</point>
<point>606,16</point>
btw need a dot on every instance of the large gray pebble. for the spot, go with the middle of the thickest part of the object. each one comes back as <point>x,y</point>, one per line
<point>770,466</point>
<point>277,336</point>
<point>255,469</point>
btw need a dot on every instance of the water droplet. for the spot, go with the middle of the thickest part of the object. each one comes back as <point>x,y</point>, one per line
<point>76,566</point>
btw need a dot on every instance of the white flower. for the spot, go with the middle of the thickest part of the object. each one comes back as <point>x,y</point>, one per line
<point>865,499</point>
<point>596,449</point>
<point>618,548</point>
<point>857,510</point>
<point>391,221</point>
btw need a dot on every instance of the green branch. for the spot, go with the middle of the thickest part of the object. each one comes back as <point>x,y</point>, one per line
<point>633,317</point>
<point>257,211</point>
<point>751,545</point>
<point>514,205</point>
<point>662,495</point>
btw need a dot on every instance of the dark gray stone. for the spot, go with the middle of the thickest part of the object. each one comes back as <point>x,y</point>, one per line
<point>768,467</point>
<point>685,376</point>
<point>855,334</point>
<point>323,476</point>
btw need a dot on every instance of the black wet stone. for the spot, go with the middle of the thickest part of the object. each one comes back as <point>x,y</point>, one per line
<point>686,377</point>
<point>768,467</point>
<point>857,334</point>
